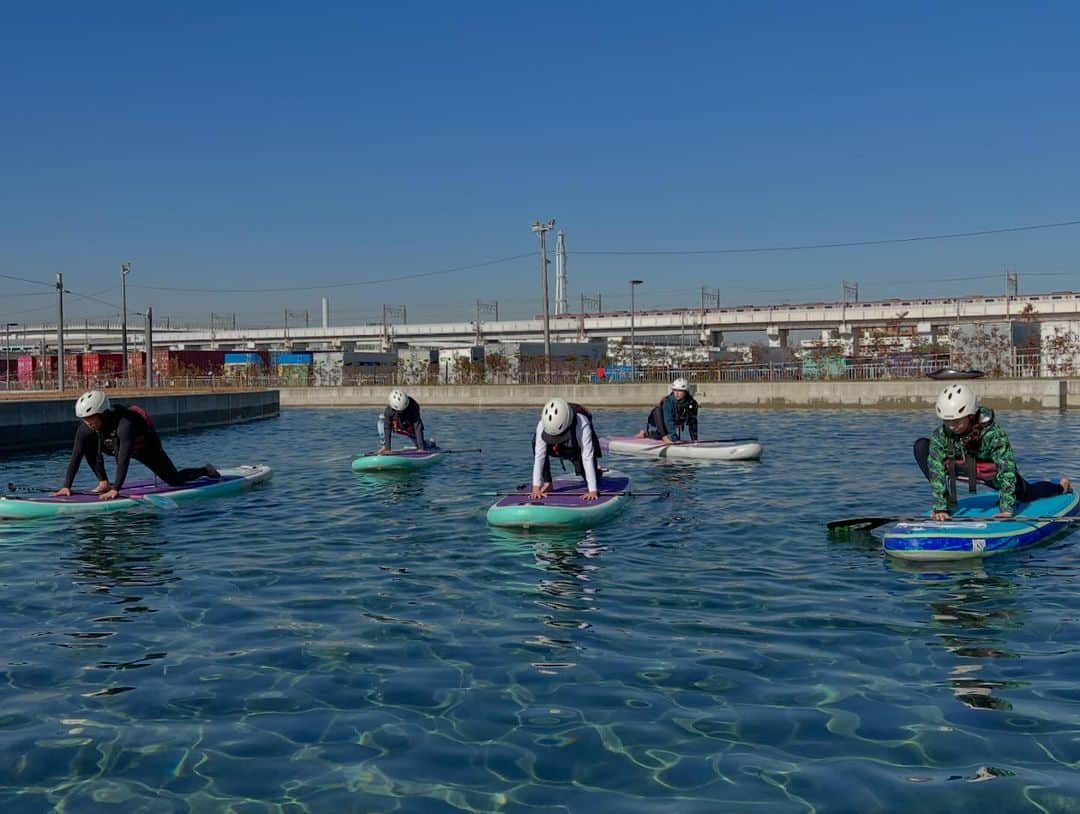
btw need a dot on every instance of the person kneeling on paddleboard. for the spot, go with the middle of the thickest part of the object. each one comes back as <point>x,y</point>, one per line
<point>565,431</point>
<point>126,432</point>
<point>402,415</point>
<point>970,445</point>
<point>676,411</point>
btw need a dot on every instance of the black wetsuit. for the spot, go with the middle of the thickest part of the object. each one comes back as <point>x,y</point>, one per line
<point>681,412</point>
<point>126,434</point>
<point>407,422</point>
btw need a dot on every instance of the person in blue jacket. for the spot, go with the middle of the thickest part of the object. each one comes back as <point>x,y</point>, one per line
<point>675,414</point>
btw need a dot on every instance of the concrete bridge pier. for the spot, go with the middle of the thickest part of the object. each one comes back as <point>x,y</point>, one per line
<point>778,337</point>
<point>712,339</point>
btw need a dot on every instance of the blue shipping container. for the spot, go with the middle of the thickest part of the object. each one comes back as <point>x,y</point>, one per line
<point>283,358</point>
<point>243,359</point>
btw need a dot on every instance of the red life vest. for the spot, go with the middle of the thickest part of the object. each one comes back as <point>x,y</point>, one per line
<point>985,471</point>
<point>139,411</point>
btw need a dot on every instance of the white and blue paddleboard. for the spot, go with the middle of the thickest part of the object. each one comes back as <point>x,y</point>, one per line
<point>979,533</point>
<point>134,494</point>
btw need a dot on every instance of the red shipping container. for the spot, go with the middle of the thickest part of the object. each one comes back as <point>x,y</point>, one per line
<point>26,368</point>
<point>102,363</point>
<point>72,366</point>
<point>203,362</point>
<point>136,360</point>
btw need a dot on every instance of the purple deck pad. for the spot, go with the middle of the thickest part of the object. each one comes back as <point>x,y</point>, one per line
<point>575,487</point>
<point>131,488</point>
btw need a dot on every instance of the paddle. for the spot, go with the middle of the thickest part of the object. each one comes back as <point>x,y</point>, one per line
<point>868,523</point>
<point>404,451</point>
<point>158,501</point>
<point>16,487</point>
<point>627,493</point>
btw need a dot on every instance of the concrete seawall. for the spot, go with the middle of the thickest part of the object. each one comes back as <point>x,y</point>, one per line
<point>915,394</point>
<point>41,423</point>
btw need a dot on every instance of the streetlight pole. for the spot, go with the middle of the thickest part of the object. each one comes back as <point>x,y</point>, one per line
<point>125,270</point>
<point>148,328</point>
<point>633,343</point>
<point>60,332</point>
<point>542,229</point>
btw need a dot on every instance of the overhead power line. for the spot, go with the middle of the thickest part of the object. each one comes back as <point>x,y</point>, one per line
<point>842,245</point>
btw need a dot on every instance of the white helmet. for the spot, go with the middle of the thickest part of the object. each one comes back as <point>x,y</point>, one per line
<point>556,418</point>
<point>92,402</point>
<point>957,401</point>
<point>399,400</point>
<point>681,384</point>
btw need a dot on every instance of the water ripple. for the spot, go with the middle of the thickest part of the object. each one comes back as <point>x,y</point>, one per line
<point>344,642</point>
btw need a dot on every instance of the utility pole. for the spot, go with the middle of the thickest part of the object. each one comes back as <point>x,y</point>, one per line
<point>389,311</point>
<point>596,302</point>
<point>213,326</point>
<point>125,270</point>
<point>633,344</point>
<point>1012,288</point>
<point>295,315</point>
<point>489,307</point>
<point>148,340</point>
<point>60,332</point>
<point>710,298</point>
<point>542,229</point>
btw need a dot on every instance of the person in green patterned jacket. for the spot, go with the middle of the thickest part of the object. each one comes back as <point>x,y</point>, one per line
<point>969,443</point>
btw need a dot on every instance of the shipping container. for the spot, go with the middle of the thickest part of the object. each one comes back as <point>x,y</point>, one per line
<point>26,369</point>
<point>294,374</point>
<point>136,361</point>
<point>257,358</point>
<point>95,364</point>
<point>290,358</point>
<point>198,362</point>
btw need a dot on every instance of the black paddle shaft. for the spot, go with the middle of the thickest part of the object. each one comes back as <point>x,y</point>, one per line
<point>868,523</point>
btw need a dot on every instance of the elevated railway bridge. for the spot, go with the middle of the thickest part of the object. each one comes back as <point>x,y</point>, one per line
<point>924,317</point>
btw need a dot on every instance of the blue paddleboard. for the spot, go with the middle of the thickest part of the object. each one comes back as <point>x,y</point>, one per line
<point>983,535</point>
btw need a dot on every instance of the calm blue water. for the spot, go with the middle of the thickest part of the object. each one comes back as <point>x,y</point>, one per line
<point>334,642</point>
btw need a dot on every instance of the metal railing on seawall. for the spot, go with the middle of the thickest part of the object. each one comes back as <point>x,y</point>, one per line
<point>1025,366</point>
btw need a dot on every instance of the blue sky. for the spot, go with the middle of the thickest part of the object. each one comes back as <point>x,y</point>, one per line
<point>252,146</point>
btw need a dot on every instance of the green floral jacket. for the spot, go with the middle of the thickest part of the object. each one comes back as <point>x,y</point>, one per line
<point>987,443</point>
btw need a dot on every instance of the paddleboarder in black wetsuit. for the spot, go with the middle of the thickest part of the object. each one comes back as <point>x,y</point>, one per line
<point>402,415</point>
<point>126,432</point>
<point>676,411</point>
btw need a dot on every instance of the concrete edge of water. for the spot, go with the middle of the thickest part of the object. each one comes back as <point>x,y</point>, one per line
<point>912,394</point>
<point>38,422</point>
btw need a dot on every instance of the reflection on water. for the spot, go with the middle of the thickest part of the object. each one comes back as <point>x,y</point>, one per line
<point>972,611</point>
<point>389,485</point>
<point>567,590</point>
<point>342,641</point>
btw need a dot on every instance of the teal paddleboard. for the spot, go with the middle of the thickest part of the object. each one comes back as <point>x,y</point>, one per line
<point>134,495</point>
<point>563,507</point>
<point>404,460</point>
